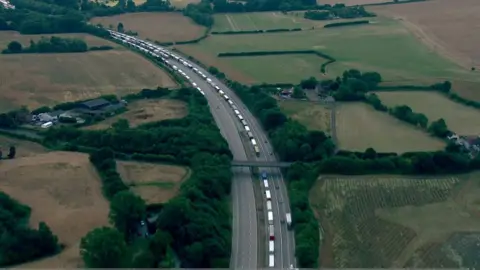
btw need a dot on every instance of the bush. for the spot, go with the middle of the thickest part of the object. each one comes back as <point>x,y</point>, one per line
<point>101,48</point>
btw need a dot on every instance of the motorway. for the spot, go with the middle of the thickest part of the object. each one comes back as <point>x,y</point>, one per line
<point>284,239</point>
<point>244,242</point>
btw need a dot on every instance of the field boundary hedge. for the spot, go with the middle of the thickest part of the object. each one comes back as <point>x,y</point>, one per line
<point>323,66</point>
<point>394,3</point>
<point>276,30</point>
<point>433,88</point>
<point>339,24</point>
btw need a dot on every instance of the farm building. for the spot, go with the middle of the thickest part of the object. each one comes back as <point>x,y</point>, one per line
<point>99,106</point>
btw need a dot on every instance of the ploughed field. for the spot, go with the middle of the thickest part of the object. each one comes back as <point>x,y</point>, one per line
<point>156,26</point>
<point>145,111</point>
<point>155,183</point>
<point>63,190</point>
<point>396,221</point>
<point>459,118</point>
<point>35,80</point>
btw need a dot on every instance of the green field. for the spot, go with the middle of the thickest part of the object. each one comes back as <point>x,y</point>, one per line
<point>384,46</point>
<point>259,21</point>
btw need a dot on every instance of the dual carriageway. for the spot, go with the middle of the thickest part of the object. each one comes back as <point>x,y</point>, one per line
<point>234,121</point>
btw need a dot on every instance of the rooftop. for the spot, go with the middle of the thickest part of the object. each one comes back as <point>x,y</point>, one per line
<point>96,102</point>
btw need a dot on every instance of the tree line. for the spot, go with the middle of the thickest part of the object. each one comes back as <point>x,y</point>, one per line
<point>338,11</point>
<point>18,242</point>
<point>256,31</point>
<point>48,45</point>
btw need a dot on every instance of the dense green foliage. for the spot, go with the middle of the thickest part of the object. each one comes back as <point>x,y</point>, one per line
<point>103,248</point>
<point>126,211</point>
<point>338,11</point>
<point>49,45</point>
<point>18,242</point>
<point>330,25</point>
<point>300,178</point>
<point>256,31</point>
<point>201,13</point>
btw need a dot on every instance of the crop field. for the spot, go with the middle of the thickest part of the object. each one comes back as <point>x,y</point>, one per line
<point>313,115</point>
<point>374,44</point>
<point>260,21</point>
<point>461,119</point>
<point>64,190</point>
<point>155,183</point>
<point>35,80</point>
<point>359,126</point>
<point>446,27</point>
<point>145,111</point>
<point>163,26</point>
<point>8,36</point>
<point>397,222</point>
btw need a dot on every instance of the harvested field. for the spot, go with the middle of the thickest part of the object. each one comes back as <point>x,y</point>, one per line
<point>313,115</point>
<point>461,119</point>
<point>447,26</point>
<point>8,36</point>
<point>397,222</point>
<point>64,190</point>
<point>159,26</point>
<point>359,126</point>
<point>145,111</point>
<point>155,183</point>
<point>23,148</point>
<point>374,44</point>
<point>35,80</point>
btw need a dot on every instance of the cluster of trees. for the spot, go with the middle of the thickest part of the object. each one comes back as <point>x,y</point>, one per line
<point>14,118</point>
<point>201,13</point>
<point>338,11</point>
<point>49,45</point>
<point>18,242</point>
<point>256,31</point>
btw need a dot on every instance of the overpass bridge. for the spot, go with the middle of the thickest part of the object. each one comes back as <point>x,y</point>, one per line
<point>245,163</point>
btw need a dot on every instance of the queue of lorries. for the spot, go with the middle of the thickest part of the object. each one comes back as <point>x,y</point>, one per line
<point>271,228</point>
<point>163,54</point>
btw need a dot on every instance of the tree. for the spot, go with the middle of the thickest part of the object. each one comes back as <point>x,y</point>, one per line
<point>12,152</point>
<point>120,27</point>
<point>439,128</point>
<point>103,248</point>
<point>1,154</point>
<point>298,93</point>
<point>309,83</point>
<point>126,211</point>
<point>15,47</point>
<point>160,243</point>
